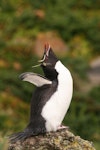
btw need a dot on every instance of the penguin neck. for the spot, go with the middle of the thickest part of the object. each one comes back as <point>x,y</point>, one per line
<point>59,67</point>
<point>63,73</point>
<point>51,74</point>
<point>65,81</point>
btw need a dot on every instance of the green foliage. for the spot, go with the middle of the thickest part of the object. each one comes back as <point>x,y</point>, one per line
<point>74,63</point>
<point>3,144</point>
<point>69,18</point>
<point>10,78</point>
<point>95,94</point>
<point>72,18</point>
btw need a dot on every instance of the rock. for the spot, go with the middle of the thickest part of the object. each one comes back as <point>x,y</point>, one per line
<point>60,140</point>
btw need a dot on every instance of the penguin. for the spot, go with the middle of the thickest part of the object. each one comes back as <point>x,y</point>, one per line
<point>51,98</point>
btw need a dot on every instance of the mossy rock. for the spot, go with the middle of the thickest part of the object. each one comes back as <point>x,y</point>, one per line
<point>60,140</point>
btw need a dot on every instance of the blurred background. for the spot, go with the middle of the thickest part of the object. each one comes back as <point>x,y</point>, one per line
<point>73,29</point>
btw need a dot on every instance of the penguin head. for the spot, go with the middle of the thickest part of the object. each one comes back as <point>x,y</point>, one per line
<point>49,59</point>
<point>48,63</point>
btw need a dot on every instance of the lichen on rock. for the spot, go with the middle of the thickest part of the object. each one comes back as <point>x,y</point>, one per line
<point>60,140</point>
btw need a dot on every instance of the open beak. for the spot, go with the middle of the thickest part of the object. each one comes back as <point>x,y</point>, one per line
<point>46,54</point>
<point>42,60</point>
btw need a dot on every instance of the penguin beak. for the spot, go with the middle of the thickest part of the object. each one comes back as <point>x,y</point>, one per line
<point>42,60</point>
<point>46,54</point>
<point>36,66</point>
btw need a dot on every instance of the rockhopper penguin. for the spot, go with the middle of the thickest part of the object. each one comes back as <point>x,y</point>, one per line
<point>51,98</point>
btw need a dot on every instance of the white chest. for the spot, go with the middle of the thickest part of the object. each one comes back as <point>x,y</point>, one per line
<point>55,109</point>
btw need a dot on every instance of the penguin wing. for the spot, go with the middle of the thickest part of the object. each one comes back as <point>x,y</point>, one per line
<point>34,78</point>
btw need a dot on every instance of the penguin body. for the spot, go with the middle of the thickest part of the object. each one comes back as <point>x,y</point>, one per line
<point>58,104</point>
<point>51,98</point>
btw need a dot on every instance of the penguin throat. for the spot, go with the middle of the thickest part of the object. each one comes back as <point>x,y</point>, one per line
<point>50,74</point>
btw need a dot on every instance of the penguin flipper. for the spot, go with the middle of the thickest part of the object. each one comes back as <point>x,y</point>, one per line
<point>35,79</point>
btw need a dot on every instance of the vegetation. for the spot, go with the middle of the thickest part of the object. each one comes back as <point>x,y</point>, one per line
<point>78,24</point>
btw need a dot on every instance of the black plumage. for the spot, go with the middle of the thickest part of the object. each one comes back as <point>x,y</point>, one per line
<point>40,96</point>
